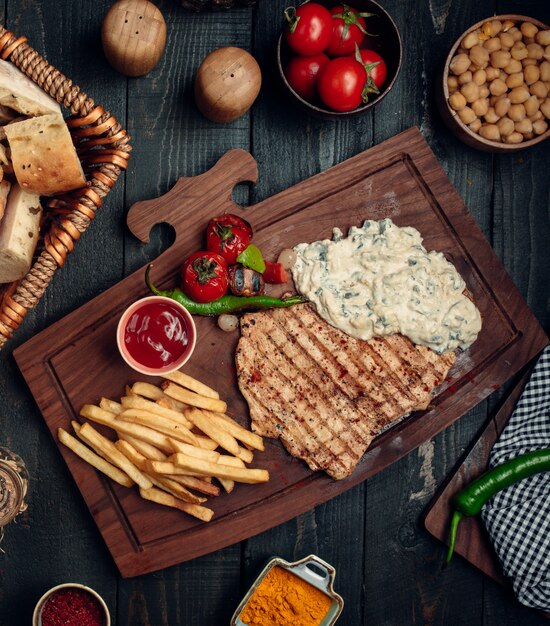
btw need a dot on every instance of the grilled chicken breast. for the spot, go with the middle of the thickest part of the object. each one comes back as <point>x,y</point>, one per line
<point>325,394</point>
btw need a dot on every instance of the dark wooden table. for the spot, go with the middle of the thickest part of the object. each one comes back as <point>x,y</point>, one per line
<point>388,567</point>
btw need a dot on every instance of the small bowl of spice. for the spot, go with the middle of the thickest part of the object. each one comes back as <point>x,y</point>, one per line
<point>286,594</point>
<point>71,604</point>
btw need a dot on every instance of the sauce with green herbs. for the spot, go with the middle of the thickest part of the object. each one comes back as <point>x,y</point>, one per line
<point>380,280</point>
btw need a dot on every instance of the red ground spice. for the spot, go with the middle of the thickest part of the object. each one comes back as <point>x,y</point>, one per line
<point>72,607</point>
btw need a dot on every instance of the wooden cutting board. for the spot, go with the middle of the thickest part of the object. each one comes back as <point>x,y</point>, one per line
<point>76,360</point>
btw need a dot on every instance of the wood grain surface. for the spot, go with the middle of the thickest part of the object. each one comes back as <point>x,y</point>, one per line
<point>400,179</point>
<point>387,565</point>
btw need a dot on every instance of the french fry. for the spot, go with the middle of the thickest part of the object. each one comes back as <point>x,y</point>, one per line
<point>229,485</point>
<point>238,474</point>
<point>94,459</point>
<point>161,424</point>
<point>152,392</point>
<point>203,422</point>
<point>147,435</point>
<point>149,451</point>
<point>175,488</point>
<point>96,439</point>
<point>235,429</point>
<point>137,402</point>
<point>170,403</point>
<point>245,455</point>
<point>110,405</point>
<point>200,453</point>
<point>128,390</point>
<point>198,484</point>
<point>206,442</point>
<point>192,398</point>
<point>131,454</point>
<point>167,468</point>
<point>96,414</point>
<point>161,497</point>
<point>184,380</point>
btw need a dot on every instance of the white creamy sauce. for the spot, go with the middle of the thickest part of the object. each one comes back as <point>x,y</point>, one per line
<point>380,280</point>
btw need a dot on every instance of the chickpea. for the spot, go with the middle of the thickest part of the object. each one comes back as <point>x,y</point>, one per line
<point>498,87</point>
<point>480,107</point>
<point>528,29</point>
<point>513,67</point>
<point>534,51</point>
<point>459,64</point>
<point>539,89</point>
<point>491,73</point>
<point>475,125</point>
<point>496,27</point>
<point>528,136</point>
<point>465,78</point>
<point>532,74</point>
<point>480,77</point>
<point>547,53</point>
<point>515,32</point>
<point>492,44</point>
<point>528,40</point>
<point>502,75</point>
<point>537,116</point>
<point>505,126</point>
<point>540,127</point>
<point>502,106</point>
<point>507,25</point>
<point>519,51</point>
<point>514,80</point>
<point>471,40</point>
<point>470,91</point>
<point>457,101</point>
<point>484,91</point>
<point>466,115</point>
<point>515,137</point>
<point>506,41</point>
<point>479,56</point>
<point>491,117</point>
<point>543,37</point>
<point>527,62</point>
<point>523,127</point>
<point>452,84</point>
<point>531,105</point>
<point>544,71</point>
<point>490,131</point>
<point>519,94</point>
<point>545,108</point>
<point>516,112</point>
<point>500,58</point>
<point>494,99</point>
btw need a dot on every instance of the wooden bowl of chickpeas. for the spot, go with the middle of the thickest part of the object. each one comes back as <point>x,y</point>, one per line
<point>495,91</point>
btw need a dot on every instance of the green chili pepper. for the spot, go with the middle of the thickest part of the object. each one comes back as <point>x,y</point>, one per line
<point>252,257</point>
<point>225,304</point>
<point>470,500</point>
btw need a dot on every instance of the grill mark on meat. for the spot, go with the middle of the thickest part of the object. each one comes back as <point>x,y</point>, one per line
<point>332,391</point>
<point>353,407</point>
<point>325,437</point>
<point>357,378</point>
<point>318,445</point>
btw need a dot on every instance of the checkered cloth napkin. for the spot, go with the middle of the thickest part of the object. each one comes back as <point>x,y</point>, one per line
<point>518,518</point>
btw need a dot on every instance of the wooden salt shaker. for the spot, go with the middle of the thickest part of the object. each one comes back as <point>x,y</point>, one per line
<point>133,35</point>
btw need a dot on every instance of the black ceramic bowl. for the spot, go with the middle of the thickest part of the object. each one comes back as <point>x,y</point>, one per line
<point>387,43</point>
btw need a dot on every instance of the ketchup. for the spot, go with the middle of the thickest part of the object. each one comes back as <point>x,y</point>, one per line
<point>156,335</point>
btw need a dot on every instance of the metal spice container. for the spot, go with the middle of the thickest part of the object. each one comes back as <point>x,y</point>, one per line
<point>14,481</point>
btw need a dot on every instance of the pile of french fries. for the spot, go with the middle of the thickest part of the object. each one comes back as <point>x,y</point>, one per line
<point>168,440</point>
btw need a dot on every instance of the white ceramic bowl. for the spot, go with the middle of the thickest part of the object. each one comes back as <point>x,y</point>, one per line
<point>143,369</point>
<point>37,615</point>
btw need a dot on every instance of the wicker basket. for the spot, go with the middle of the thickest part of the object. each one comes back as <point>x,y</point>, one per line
<point>104,149</point>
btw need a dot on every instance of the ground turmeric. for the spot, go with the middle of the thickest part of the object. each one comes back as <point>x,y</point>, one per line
<point>284,599</point>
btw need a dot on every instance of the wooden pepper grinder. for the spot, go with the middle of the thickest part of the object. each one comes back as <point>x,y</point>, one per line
<point>133,35</point>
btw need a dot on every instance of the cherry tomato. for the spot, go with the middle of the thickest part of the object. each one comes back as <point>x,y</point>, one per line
<point>204,276</point>
<point>301,73</point>
<point>341,84</point>
<point>375,67</point>
<point>275,274</point>
<point>308,29</point>
<point>348,28</point>
<point>228,235</point>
